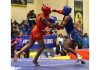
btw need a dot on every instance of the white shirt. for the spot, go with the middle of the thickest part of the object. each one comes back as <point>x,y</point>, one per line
<point>59,39</point>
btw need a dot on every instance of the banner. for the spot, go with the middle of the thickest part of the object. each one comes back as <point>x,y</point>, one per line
<point>30,1</point>
<point>49,41</point>
<point>78,12</point>
<point>19,3</point>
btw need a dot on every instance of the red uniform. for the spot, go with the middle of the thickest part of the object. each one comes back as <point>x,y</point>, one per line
<point>36,33</point>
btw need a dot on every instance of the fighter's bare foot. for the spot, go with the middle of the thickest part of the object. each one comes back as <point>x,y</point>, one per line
<point>36,63</point>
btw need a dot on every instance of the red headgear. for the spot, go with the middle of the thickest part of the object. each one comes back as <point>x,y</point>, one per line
<point>46,9</point>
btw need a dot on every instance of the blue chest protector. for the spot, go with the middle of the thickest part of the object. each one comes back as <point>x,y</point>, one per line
<point>69,26</point>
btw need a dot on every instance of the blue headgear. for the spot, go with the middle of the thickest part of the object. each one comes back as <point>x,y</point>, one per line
<point>52,19</point>
<point>67,10</point>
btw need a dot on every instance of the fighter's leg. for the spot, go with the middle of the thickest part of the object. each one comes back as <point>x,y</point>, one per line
<point>67,47</point>
<point>39,51</point>
<point>31,43</point>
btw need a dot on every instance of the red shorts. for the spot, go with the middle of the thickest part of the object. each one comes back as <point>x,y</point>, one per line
<point>36,34</point>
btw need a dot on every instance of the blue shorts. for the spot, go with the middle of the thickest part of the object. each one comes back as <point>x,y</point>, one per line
<point>74,35</point>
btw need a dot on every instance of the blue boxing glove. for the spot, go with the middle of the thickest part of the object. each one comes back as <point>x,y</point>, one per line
<point>53,20</point>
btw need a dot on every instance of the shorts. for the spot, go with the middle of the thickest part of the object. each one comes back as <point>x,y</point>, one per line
<point>74,36</point>
<point>36,34</point>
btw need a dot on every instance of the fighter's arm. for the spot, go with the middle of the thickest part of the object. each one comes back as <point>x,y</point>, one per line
<point>64,22</point>
<point>58,11</point>
<point>43,20</point>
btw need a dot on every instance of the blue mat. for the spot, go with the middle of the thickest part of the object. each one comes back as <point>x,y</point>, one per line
<point>49,64</point>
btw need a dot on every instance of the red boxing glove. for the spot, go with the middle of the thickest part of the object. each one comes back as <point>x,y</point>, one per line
<point>58,11</point>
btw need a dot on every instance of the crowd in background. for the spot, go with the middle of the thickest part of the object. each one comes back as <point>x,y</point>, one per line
<point>24,28</point>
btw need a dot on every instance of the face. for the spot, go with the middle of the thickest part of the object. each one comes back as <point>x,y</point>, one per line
<point>48,13</point>
<point>32,11</point>
<point>60,35</point>
<point>46,9</point>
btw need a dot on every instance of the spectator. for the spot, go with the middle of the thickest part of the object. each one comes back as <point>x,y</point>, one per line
<point>19,43</point>
<point>14,32</point>
<point>58,48</point>
<point>60,38</point>
<point>31,16</point>
<point>27,28</point>
<point>80,34</point>
<point>23,28</point>
<point>85,41</point>
<point>80,40</point>
<point>47,31</point>
<point>15,22</point>
<point>53,31</point>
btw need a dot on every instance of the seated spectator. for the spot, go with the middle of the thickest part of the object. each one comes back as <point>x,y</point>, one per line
<point>14,32</point>
<point>24,28</point>
<point>27,28</point>
<point>85,41</point>
<point>80,34</point>
<point>80,40</point>
<point>58,48</point>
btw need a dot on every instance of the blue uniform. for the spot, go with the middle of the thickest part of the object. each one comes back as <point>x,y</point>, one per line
<point>69,26</point>
<point>73,33</point>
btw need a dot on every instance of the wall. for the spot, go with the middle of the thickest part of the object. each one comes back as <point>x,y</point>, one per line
<point>20,13</point>
<point>86,16</point>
